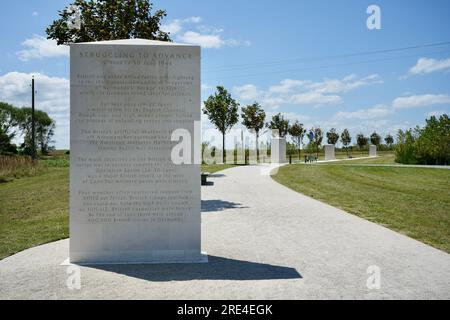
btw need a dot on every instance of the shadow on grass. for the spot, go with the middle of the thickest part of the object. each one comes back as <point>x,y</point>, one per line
<point>219,205</point>
<point>217,268</point>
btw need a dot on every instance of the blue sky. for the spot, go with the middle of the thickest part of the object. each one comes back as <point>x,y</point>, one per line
<point>315,61</point>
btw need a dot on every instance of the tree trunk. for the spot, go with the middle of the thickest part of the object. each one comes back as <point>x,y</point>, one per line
<point>257,147</point>
<point>223,148</point>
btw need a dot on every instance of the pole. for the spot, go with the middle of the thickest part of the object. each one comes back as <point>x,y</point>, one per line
<point>33,128</point>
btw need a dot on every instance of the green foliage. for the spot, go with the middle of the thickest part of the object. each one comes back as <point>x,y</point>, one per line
<point>361,141</point>
<point>56,162</point>
<point>279,123</point>
<point>45,129</point>
<point>297,133</point>
<point>253,117</point>
<point>404,152</point>
<point>332,136</point>
<point>375,139</point>
<point>9,119</point>
<point>317,141</point>
<point>14,121</point>
<point>346,139</point>
<point>389,141</point>
<point>429,145</point>
<point>222,111</point>
<point>108,20</point>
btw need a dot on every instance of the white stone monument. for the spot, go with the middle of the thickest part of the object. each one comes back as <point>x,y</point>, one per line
<point>278,150</point>
<point>129,203</point>
<point>372,151</point>
<point>329,152</point>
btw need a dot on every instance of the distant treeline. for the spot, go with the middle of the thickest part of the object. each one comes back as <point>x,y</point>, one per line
<point>16,122</point>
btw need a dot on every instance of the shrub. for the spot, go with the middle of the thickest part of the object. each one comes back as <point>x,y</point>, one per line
<point>429,145</point>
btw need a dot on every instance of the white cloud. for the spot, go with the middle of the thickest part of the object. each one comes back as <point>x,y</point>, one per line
<point>304,92</point>
<point>315,98</point>
<point>203,40</point>
<point>35,14</point>
<point>176,25</point>
<point>420,101</point>
<point>205,36</point>
<point>437,113</point>
<point>247,92</point>
<point>346,84</point>
<point>426,65</point>
<point>173,27</point>
<point>52,97</point>
<point>376,112</point>
<point>208,41</point>
<point>291,116</point>
<point>287,86</point>
<point>39,47</point>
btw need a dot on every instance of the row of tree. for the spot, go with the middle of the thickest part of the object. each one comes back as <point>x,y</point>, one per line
<point>222,111</point>
<point>16,122</point>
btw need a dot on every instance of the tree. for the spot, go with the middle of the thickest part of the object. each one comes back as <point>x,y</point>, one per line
<point>346,139</point>
<point>297,133</point>
<point>361,140</point>
<point>222,111</point>
<point>45,127</point>
<point>318,137</point>
<point>375,139</point>
<point>108,20</point>
<point>279,123</point>
<point>405,149</point>
<point>433,143</point>
<point>389,140</point>
<point>9,117</point>
<point>253,117</point>
<point>332,136</point>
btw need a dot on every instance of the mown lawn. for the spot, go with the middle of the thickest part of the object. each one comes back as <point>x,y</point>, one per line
<point>385,159</point>
<point>35,210</point>
<point>413,201</point>
<point>211,168</point>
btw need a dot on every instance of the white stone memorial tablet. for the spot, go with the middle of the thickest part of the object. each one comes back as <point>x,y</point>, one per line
<point>329,152</point>
<point>372,151</point>
<point>278,150</point>
<point>129,203</point>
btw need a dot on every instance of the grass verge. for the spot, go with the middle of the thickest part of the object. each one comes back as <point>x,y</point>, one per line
<point>412,201</point>
<point>34,210</point>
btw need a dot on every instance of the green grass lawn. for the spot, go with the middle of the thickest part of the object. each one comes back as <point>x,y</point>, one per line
<point>34,210</point>
<point>343,155</point>
<point>413,201</point>
<point>211,168</point>
<point>385,159</point>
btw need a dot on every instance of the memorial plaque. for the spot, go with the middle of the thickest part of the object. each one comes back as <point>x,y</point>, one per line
<point>129,203</point>
<point>329,152</point>
<point>372,150</point>
<point>278,150</point>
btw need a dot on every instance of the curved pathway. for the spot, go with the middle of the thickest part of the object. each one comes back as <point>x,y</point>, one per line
<point>264,241</point>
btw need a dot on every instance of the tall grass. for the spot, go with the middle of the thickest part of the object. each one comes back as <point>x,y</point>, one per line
<point>12,167</point>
